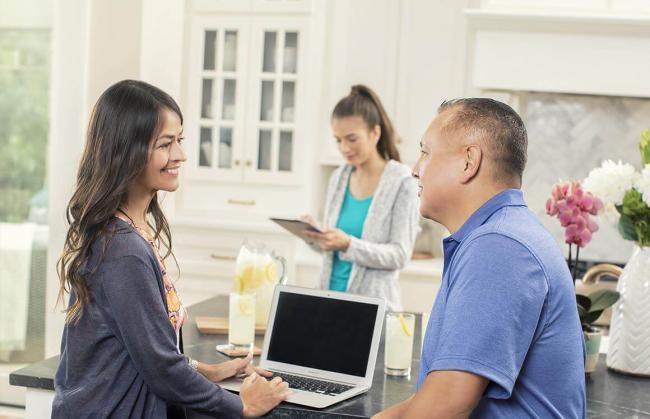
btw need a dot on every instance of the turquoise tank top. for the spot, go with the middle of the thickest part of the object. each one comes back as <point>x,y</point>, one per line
<point>351,219</point>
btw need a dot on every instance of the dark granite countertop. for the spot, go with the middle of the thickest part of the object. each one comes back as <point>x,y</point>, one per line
<point>609,395</point>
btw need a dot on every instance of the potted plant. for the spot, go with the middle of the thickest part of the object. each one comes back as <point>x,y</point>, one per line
<point>590,307</point>
<point>576,210</point>
<point>625,192</point>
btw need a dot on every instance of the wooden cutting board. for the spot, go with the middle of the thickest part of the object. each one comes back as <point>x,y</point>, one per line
<point>219,326</point>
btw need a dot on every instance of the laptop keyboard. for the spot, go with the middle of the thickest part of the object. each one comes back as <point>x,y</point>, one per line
<point>312,385</point>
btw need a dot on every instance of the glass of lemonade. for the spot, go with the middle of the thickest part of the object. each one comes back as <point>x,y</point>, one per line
<point>241,321</point>
<point>398,352</point>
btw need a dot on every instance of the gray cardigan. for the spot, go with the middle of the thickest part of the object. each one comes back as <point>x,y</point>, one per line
<point>121,359</point>
<point>388,235</point>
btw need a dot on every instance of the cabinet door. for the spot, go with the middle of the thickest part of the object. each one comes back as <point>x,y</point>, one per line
<point>215,108</point>
<point>430,67</point>
<point>277,83</point>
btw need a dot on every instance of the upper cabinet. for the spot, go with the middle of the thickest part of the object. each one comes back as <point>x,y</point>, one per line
<point>410,52</point>
<point>246,96</point>
<point>248,107</point>
<point>216,93</point>
<point>276,99</point>
<point>360,48</point>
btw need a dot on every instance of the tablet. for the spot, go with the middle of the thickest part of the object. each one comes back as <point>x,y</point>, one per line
<point>297,227</point>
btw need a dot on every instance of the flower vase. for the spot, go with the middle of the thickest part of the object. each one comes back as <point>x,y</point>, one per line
<point>629,341</point>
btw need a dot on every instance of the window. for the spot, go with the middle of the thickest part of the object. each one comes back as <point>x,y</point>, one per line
<point>24,124</point>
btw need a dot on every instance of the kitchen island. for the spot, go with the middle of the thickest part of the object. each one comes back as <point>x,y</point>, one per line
<point>609,395</point>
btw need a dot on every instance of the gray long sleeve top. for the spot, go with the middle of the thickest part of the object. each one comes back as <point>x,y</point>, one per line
<point>121,359</point>
<point>388,235</point>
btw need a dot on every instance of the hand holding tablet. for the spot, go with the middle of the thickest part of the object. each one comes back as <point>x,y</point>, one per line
<point>297,227</point>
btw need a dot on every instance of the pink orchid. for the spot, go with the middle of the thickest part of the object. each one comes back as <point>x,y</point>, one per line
<point>573,206</point>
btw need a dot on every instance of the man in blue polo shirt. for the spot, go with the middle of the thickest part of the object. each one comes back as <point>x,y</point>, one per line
<point>504,339</point>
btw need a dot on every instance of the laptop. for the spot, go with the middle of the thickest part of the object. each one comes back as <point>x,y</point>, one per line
<point>322,343</point>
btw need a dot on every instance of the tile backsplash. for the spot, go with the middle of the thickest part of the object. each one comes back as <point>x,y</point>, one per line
<point>568,135</point>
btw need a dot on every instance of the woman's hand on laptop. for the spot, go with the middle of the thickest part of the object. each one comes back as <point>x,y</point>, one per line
<point>232,368</point>
<point>259,395</point>
<point>244,366</point>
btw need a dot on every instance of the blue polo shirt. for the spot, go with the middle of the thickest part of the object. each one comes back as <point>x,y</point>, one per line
<point>506,310</point>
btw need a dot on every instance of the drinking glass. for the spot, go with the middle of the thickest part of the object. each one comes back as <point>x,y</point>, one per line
<point>398,352</point>
<point>241,321</point>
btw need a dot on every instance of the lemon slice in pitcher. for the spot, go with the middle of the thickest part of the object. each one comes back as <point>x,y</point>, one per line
<point>249,278</point>
<point>405,327</point>
<point>271,272</point>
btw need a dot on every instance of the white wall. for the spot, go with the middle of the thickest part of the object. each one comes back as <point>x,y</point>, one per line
<point>94,45</point>
<point>26,14</point>
<point>114,39</point>
<point>67,111</point>
<point>162,31</point>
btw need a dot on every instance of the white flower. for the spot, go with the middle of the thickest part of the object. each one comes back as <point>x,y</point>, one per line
<point>610,182</point>
<point>643,184</point>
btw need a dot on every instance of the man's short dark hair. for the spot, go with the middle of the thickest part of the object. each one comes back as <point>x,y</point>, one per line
<point>495,125</point>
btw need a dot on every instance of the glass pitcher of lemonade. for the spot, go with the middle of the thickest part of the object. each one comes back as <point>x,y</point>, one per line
<point>257,272</point>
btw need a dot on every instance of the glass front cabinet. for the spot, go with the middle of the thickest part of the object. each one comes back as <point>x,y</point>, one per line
<point>245,92</point>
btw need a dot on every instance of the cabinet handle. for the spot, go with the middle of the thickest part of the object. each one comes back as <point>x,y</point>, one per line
<point>222,257</point>
<point>241,201</point>
<point>248,163</point>
<point>237,162</point>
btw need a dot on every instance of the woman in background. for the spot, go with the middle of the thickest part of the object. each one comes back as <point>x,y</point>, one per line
<point>121,351</point>
<point>371,209</point>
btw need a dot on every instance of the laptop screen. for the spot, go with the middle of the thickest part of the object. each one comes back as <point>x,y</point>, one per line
<point>322,333</point>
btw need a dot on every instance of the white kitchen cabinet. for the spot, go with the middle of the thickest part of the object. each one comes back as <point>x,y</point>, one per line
<point>248,107</point>
<point>245,99</point>
<point>360,48</point>
<point>215,111</point>
<point>411,53</point>
<point>276,101</point>
<point>430,67</point>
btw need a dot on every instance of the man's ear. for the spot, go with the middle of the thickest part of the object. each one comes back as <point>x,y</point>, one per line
<point>473,157</point>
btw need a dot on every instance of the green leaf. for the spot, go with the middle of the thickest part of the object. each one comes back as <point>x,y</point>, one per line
<point>584,302</point>
<point>633,204</point>
<point>644,146</point>
<point>642,228</point>
<point>626,227</point>
<point>591,317</point>
<point>602,299</point>
<point>582,313</point>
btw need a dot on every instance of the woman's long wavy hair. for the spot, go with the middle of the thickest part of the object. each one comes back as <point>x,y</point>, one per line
<point>362,101</point>
<point>123,124</point>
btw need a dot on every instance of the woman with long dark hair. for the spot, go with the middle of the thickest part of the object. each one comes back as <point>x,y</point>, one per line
<point>371,208</point>
<point>121,351</point>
